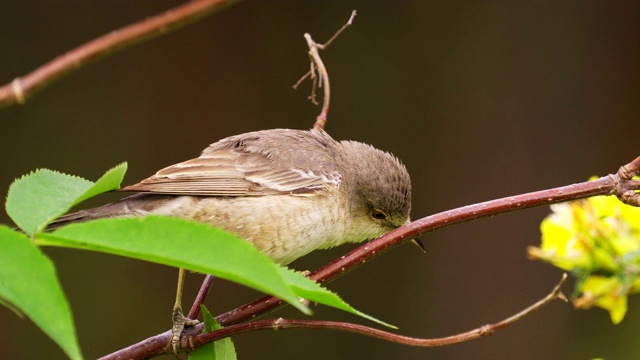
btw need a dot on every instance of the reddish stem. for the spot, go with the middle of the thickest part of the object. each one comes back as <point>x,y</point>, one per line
<point>20,89</point>
<point>607,185</point>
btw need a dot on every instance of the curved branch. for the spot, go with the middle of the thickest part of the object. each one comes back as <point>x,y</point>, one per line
<point>283,324</point>
<point>608,185</point>
<point>602,186</point>
<point>22,88</point>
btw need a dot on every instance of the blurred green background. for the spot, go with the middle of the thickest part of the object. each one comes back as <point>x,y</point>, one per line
<point>479,99</point>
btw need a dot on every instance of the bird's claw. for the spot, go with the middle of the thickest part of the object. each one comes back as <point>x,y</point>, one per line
<point>179,323</point>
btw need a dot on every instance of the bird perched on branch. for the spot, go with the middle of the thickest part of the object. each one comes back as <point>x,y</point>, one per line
<point>288,192</point>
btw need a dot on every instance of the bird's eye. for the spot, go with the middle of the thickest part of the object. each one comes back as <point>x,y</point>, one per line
<point>377,214</point>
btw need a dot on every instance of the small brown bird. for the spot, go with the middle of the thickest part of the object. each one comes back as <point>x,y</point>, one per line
<point>288,192</point>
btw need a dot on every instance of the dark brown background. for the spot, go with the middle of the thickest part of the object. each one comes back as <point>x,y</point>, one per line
<point>480,100</point>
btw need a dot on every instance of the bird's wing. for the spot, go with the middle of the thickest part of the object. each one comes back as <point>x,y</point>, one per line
<point>227,169</point>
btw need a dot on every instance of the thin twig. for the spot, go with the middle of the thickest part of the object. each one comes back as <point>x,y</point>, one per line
<point>318,73</point>
<point>283,324</point>
<point>202,295</point>
<point>295,86</point>
<point>346,25</point>
<point>21,89</point>
<point>156,345</point>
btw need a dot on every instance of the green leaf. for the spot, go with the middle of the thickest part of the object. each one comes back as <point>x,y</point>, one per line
<point>37,199</point>
<point>222,349</point>
<point>111,180</point>
<point>312,291</point>
<point>179,243</point>
<point>29,283</point>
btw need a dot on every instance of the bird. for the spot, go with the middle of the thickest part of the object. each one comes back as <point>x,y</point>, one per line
<point>286,191</point>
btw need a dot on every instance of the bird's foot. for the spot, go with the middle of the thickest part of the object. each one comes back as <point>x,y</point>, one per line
<point>179,323</point>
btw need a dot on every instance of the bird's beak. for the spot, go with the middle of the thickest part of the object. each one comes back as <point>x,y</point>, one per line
<point>418,243</point>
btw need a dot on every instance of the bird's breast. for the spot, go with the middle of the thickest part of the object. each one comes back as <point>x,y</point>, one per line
<point>283,227</point>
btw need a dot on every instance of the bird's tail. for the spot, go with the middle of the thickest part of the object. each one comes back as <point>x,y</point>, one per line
<point>130,206</point>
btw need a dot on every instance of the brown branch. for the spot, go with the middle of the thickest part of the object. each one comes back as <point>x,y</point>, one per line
<point>608,185</point>
<point>318,73</point>
<point>150,347</point>
<point>22,88</point>
<point>202,295</point>
<point>625,186</point>
<point>376,247</point>
<point>283,324</point>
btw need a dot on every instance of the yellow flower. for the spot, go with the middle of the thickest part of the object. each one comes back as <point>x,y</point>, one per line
<point>598,240</point>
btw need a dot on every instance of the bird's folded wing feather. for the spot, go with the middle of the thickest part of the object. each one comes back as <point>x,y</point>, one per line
<point>239,171</point>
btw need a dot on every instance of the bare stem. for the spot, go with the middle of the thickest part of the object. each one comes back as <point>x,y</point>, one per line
<point>202,295</point>
<point>376,247</point>
<point>608,185</point>
<point>319,71</point>
<point>283,324</point>
<point>22,88</point>
<point>335,36</point>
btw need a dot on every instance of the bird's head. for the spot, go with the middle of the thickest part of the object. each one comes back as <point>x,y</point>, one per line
<point>379,187</point>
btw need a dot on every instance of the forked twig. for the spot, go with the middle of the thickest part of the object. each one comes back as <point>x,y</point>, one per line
<point>625,185</point>
<point>283,324</point>
<point>318,73</point>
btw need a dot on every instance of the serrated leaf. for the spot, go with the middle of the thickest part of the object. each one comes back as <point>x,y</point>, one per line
<point>111,180</point>
<point>312,291</point>
<point>29,283</point>
<point>179,243</point>
<point>222,349</point>
<point>37,199</point>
